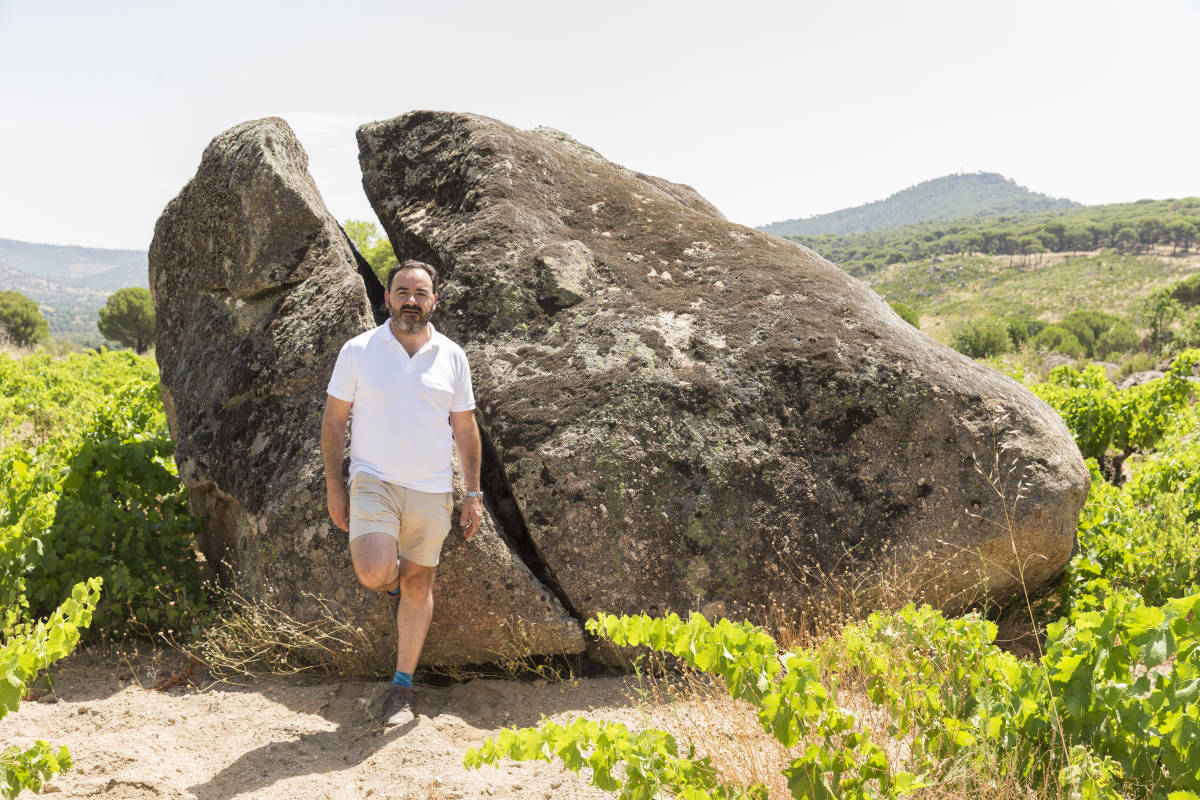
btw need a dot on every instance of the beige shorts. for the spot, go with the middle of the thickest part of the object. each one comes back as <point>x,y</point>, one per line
<point>418,521</point>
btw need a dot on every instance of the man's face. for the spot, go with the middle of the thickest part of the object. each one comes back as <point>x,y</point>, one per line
<point>411,300</point>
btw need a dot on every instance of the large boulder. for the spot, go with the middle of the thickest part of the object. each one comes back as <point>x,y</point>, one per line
<point>689,413</point>
<point>256,288</point>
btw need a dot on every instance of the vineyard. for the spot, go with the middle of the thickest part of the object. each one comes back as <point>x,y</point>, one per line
<point>96,543</point>
<point>89,498</point>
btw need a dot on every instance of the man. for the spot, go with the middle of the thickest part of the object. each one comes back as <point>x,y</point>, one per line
<point>410,389</point>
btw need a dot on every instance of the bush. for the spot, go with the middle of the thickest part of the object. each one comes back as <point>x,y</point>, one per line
<point>982,338</point>
<point>1018,330</point>
<point>1187,292</point>
<point>1120,338</point>
<point>1141,537</point>
<point>1060,340</point>
<point>906,313</point>
<point>88,487</point>
<point>121,513</point>
<point>1138,362</point>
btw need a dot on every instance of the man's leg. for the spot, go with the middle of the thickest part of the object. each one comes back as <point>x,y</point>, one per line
<point>374,558</point>
<point>413,613</point>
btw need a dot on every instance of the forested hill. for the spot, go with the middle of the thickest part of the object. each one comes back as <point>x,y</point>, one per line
<point>81,267</point>
<point>949,197</point>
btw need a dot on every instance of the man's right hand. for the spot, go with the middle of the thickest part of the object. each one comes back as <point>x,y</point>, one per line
<point>339,505</point>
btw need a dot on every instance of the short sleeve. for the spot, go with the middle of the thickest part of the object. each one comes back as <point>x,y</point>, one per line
<point>464,395</point>
<point>345,375</point>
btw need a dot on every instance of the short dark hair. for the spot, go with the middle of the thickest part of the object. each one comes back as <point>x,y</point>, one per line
<point>412,263</point>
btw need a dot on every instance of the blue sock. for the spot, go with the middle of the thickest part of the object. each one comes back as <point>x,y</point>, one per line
<point>403,679</point>
<point>394,592</point>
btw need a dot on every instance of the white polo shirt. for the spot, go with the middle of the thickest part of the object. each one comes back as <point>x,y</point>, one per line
<point>400,428</point>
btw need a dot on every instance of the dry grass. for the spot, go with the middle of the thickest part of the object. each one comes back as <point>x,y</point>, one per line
<point>255,638</point>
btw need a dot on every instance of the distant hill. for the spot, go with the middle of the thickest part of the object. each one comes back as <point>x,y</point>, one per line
<point>84,267</point>
<point>949,197</point>
<point>70,283</point>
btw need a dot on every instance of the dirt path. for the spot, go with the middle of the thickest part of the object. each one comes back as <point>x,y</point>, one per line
<point>296,739</point>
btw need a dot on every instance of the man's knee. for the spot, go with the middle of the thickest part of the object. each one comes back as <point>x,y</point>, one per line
<point>416,581</point>
<point>374,559</point>
<point>376,578</point>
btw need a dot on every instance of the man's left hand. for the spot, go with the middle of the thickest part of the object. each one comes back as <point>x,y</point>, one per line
<point>472,516</point>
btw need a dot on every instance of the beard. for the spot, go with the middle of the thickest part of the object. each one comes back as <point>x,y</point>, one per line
<point>409,323</point>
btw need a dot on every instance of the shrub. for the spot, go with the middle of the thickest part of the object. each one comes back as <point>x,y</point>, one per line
<point>1018,330</point>
<point>906,313</point>
<point>982,338</point>
<point>1060,340</point>
<point>1119,338</point>
<point>88,487</point>
<point>1138,362</point>
<point>1187,291</point>
<point>121,513</point>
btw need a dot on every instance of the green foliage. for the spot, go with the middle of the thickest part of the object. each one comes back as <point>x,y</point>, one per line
<point>1120,338</point>
<point>371,245</point>
<point>649,760</point>
<point>794,705</point>
<point>906,313</point>
<point>1090,326</point>
<point>1111,703</point>
<point>21,321</point>
<point>1060,340</point>
<point>1141,537</point>
<point>88,487</point>
<point>1018,330</point>
<point>122,513</point>
<point>128,318</point>
<point>1187,291</point>
<point>1160,309</point>
<point>28,649</point>
<point>1117,686</point>
<point>1102,417</point>
<point>982,338</point>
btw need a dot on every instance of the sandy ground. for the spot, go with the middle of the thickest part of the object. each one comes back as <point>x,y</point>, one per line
<point>293,738</point>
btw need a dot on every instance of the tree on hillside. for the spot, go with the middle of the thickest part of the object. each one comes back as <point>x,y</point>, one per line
<point>21,320</point>
<point>1182,233</point>
<point>128,318</point>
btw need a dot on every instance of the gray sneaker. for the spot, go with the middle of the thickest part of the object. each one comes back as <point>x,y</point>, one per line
<point>397,706</point>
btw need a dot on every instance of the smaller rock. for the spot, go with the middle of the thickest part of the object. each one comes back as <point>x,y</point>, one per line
<point>565,268</point>
<point>1138,378</point>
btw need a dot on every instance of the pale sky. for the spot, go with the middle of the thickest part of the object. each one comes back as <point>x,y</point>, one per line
<point>772,110</point>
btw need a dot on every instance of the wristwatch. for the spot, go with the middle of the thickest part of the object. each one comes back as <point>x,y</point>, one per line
<point>475,494</point>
